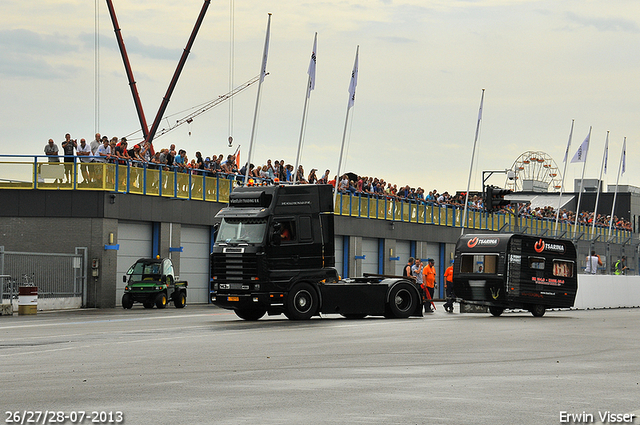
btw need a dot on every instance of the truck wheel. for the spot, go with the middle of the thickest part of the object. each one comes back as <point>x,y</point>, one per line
<point>161,300</point>
<point>127,301</point>
<point>250,314</point>
<point>496,311</point>
<point>180,299</point>
<point>402,300</point>
<point>537,310</point>
<point>148,304</point>
<point>302,302</point>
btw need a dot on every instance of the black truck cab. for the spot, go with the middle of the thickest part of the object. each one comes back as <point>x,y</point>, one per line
<point>507,271</point>
<point>274,253</point>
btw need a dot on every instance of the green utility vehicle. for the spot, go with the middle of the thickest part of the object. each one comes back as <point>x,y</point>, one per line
<point>151,281</point>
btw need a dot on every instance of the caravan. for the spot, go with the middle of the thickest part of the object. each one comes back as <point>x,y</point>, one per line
<point>506,271</point>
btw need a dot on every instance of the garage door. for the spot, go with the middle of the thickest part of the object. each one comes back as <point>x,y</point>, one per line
<point>403,250</point>
<point>134,239</point>
<point>370,252</point>
<point>194,262</point>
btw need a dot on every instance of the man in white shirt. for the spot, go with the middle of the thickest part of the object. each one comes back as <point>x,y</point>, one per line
<point>84,152</point>
<point>593,261</point>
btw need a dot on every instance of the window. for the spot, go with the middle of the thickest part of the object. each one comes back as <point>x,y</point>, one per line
<point>479,264</point>
<point>536,263</point>
<point>244,230</point>
<point>562,268</point>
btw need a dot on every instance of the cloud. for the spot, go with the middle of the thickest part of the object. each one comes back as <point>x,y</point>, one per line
<point>604,24</point>
<point>133,46</point>
<point>29,42</point>
<point>27,54</point>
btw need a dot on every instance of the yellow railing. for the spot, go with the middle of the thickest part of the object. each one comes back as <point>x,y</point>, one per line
<point>32,173</point>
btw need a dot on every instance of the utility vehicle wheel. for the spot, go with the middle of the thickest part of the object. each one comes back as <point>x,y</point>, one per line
<point>180,299</point>
<point>148,304</point>
<point>538,310</point>
<point>251,315</point>
<point>127,301</point>
<point>496,311</point>
<point>302,302</point>
<point>161,300</point>
<point>402,300</point>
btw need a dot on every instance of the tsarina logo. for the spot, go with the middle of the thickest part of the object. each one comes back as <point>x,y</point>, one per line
<point>472,243</point>
<point>542,246</point>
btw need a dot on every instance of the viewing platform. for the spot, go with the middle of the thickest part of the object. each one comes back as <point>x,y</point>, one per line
<point>36,173</point>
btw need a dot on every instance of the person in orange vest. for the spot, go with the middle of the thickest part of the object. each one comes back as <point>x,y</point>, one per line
<point>429,280</point>
<point>448,284</point>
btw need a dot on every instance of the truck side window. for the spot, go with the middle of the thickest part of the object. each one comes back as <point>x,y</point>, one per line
<point>287,231</point>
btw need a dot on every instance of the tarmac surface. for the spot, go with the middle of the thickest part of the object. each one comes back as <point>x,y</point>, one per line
<point>203,365</point>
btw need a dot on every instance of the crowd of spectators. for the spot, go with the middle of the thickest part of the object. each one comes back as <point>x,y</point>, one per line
<point>115,150</point>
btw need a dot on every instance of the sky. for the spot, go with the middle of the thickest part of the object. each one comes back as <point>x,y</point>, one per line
<point>423,66</point>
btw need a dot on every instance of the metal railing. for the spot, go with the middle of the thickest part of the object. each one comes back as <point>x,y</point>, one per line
<point>35,172</point>
<point>55,274</point>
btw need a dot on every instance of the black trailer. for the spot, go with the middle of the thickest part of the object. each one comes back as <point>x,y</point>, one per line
<point>274,253</point>
<point>509,271</point>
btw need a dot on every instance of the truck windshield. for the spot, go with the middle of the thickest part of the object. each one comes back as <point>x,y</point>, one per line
<point>241,230</point>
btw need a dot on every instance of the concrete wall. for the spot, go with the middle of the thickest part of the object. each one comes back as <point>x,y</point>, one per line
<point>598,291</point>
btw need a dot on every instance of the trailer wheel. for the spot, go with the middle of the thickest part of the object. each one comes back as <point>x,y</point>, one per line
<point>148,304</point>
<point>538,310</point>
<point>161,300</point>
<point>496,311</point>
<point>180,299</point>
<point>402,300</point>
<point>250,314</point>
<point>302,302</point>
<point>127,301</point>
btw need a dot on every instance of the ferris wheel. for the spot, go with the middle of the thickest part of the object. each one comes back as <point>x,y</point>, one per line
<point>535,171</point>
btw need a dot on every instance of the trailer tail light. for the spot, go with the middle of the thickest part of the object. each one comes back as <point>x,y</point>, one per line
<point>255,299</point>
<point>255,278</point>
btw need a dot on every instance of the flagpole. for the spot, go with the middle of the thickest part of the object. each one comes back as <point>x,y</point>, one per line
<point>602,167</point>
<point>584,165</point>
<point>473,153</point>
<point>352,97</point>
<point>564,172</point>
<point>310,86</point>
<point>263,72</point>
<point>615,194</point>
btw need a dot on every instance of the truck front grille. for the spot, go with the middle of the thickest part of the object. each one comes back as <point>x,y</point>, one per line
<point>234,271</point>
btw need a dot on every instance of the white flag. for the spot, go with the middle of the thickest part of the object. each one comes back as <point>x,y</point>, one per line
<point>624,155</point>
<point>606,153</point>
<point>566,152</point>
<point>581,154</point>
<point>354,81</point>
<point>312,66</point>
<point>263,70</point>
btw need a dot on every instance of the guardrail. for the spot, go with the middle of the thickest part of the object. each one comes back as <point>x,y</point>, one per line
<point>35,172</point>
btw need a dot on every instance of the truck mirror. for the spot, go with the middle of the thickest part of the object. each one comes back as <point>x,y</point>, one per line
<point>124,279</point>
<point>275,236</point>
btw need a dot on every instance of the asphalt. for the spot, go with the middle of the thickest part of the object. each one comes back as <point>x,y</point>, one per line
<point>203,365</point>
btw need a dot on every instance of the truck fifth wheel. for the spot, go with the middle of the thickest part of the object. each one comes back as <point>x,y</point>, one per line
<point>274,254</point>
